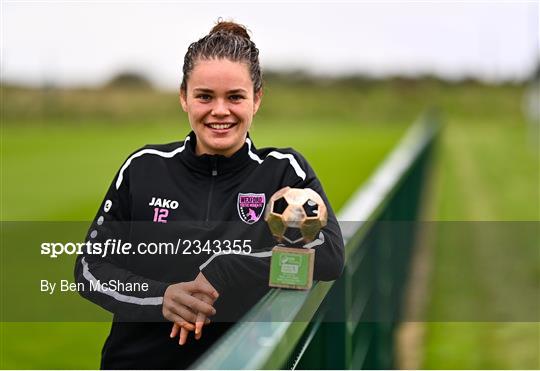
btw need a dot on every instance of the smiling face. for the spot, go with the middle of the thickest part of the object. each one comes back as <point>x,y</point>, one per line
<point>220,104</point>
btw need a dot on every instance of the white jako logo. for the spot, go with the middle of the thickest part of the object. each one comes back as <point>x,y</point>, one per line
<point>163,202</point>
<point>107,206</point>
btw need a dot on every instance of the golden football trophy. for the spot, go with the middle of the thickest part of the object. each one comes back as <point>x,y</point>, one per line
<point>295,216</point>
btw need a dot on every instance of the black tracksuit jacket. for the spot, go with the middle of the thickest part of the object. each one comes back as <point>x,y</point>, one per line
<point>166,193</point>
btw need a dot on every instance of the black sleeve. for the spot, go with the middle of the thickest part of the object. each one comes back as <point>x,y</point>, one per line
<point>113,222</point>
<point>245,273</point>
<point>329,249</point>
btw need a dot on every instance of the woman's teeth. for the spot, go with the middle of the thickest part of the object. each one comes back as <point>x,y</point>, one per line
<point>220,126</point>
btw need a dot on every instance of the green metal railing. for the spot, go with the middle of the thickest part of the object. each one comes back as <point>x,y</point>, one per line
<point>348,323</point>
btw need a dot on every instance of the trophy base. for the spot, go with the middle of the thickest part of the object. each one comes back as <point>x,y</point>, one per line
<point>291,268</point>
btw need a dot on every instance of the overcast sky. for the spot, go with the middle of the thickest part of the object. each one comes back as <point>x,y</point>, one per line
<point>69,43</point>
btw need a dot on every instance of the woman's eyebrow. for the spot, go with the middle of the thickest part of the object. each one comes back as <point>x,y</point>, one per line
<point>239,90</point>
<point>203,90</point>
<point>233,91</point>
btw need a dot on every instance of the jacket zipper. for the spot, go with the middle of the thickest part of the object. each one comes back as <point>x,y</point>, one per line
<point>214,174</point>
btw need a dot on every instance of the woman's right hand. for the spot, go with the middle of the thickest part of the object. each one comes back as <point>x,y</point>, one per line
<point>181,306</point>
<point>184,328</point>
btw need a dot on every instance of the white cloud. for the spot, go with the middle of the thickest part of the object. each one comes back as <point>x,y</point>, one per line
<point>82,42</point>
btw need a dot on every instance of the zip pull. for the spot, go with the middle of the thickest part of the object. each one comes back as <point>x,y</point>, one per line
<point>214,166</point>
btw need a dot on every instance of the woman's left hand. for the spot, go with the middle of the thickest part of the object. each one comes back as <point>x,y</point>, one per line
<point>185,328</point>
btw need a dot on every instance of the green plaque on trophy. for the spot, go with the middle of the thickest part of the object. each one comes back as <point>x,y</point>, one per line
<point>292,268</point>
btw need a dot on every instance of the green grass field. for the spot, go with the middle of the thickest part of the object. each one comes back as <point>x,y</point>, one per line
<point>486,172</point>
<point>61,149</point>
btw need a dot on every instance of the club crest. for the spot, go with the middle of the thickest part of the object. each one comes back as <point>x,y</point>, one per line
<point>251,206</point>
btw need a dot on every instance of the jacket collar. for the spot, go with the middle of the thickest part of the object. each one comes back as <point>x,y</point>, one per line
<point>216,164</point>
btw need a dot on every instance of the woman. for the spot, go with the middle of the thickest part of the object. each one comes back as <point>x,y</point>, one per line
<point>188,196</point>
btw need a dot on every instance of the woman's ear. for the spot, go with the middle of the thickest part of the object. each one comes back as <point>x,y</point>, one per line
<point>183,99</point>
<point>257,100</point>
